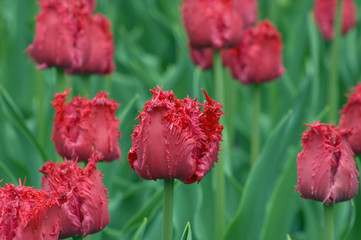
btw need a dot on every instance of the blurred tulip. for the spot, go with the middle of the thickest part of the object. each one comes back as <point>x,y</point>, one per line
<point>326,169</point>
<point>82,124</point>
<point>28,213</point>
<point>325,11</point>
<point>213,23</point>
<point>175,139</point>
<point>86,209</point>
<point>69,37</point>
<point>258,58</point>
<point>351,118</point>
<point>203,58</point>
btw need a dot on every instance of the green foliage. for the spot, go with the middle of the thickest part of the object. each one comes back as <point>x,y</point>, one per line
<point>151,49</point>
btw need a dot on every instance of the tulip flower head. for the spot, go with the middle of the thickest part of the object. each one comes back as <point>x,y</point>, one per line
<point>28,213</point>
<point>350,118</point>
<point>326,169</point>
<point>258,58</point>
<point>81,125</point>
<point>325,11</point>
<point>68,36</point>
<point>202,57</point>
<point>213,23</point>
<point>175,138</point>
<point>86,209</point>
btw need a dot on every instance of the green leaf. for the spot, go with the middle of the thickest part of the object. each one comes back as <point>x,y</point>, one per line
<point>17,119</point>
<point>187,233</point>
<point>139,234</point>
<point>282,206</point>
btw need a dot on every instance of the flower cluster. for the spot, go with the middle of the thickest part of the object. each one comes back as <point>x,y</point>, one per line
<point>72,201</point>
<point>69,36</point>
<point>255,52</point>
<point>325,11</point>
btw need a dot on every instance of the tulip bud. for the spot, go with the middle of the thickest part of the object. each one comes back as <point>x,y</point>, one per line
<point>325,12</point>
<point>175,139</point>
<point>82,124</point>
<point>350,118</point>
<point>326,169</point>
<point>258,58</point>
<point>86,209</point>
<point>28,213</point>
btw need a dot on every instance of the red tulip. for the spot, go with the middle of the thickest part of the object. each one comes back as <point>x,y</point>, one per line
<point>83,124</point>
<point>86,209</point>
<point>69,37</point>
<point>213,23</point>
<point>351,118</point>
<point>101,48</point>
<point>175,139</point>
<point>326,169</point>
<point>325,11</point>
<point>28,213</point>
<point>203,58</point>
<point>258,58</point>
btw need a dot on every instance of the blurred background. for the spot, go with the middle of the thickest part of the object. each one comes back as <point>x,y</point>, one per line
<point>150,50</point>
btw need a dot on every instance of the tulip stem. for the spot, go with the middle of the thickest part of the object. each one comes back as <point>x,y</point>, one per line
<point>255,128</point>
<point>78,237</point>
<point>219,198</point>
<point>328,213</point>
<point>333,98</point>
<point>86,84</point>
<point>168,193</point>
<point>60,80</point>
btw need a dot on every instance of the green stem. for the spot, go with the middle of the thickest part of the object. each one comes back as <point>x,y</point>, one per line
<point>167,231</point>
<point>60,80</point>
<point>85,80</point>
<point>40,90</point>
<point>219,95</point>
<point>333,98</point>
<point>255,128</point>
<point>329,230</point>
<point>78,237</point>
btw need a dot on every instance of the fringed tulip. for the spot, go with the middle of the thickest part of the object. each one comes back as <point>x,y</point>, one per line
<point>86,209</point>
<point>81,125</point>
<point>28,213</point>
<point>325,11</point>
<point>351,118</point>
<point>175,138</point>
<point>68,36</point>
<point>326,169</point>
<point>258,58</point>
<point>213,23</point>
<point>203,58</point>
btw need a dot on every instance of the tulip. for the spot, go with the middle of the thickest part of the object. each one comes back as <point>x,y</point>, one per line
<point>325,11</point>
<point>350,118</point>
<point>202,57</point>
<point>175,139</point>
<point>68,36</point>
<point>326,169</point>
<point>82,124</point>
<point>28,213</point>
<point>86,208</point>
<point>258,58</point>
<point>213,23</point>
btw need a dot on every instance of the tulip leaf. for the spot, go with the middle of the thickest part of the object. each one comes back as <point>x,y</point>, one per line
<point>139,234</point>
<point>17,119</point>
<point>282,206</point>
<point>187,233</point>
